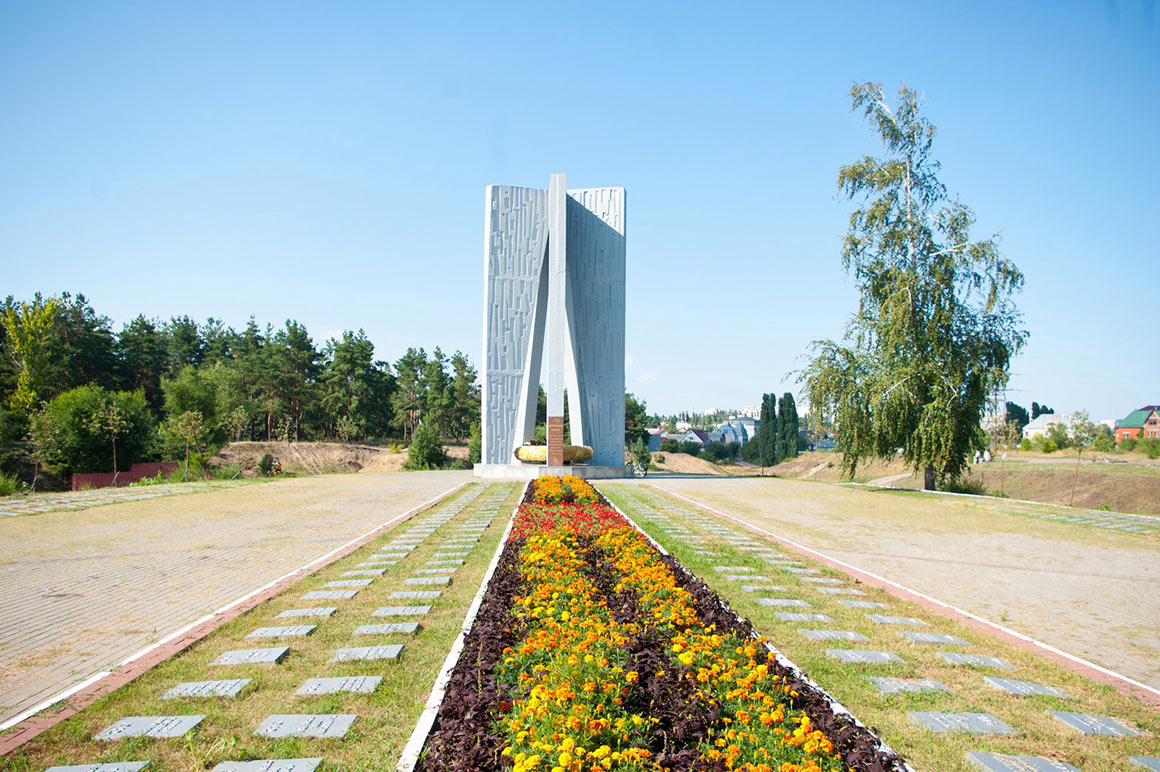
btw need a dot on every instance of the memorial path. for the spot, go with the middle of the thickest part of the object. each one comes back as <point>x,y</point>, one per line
<point>85,589</point>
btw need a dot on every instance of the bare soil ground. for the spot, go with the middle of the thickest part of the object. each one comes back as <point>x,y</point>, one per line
<point>322,457</point>
<point>683,463</point>
<point>1090,591</point>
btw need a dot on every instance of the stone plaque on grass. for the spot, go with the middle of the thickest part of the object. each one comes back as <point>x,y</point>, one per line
<point>840,591</point>
<point>409,628</point>
<point>305,725</point>
<point>1147,762</point>
<point>972,723</point>
<point>270,765</point>
<point>389,651</point>
<point>416,594</point>
<point>821,580</point>
<point>1001,762</point>
<point>762,587</point>
<point>271,656</point>
<point>802,616</point>
<point>933,638</point>
<point>906,685</point>
<point>834,635</point>
<point>444,580</point>
<point>782,602</point>
<point>359,684</point>
<point>862,603</point>
<point>1101,725</point>
<point>286,631</point>
<point>313,611</point>
<point>119,766</point>
<point>796,570</point>
<point>330,595</point>
<point>400,611</point>
<point>228,688</point>
<point>446,570</point>
<point>149,726</point>
<point>375,563</point>
<point>349,583</point>
<point>365,572</point>
<point>454,554</point>
<point>975,660</point>
<point>443,562</point>
<point>1026,688</point>
<point>864,656</point>
<point>732,569</point>
<point>883,619</point>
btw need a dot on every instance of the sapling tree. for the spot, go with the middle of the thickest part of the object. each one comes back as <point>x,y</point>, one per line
<point>936,326</point>
<point>190,429</point>
<point>109,421</point>
<point>1082,433</point>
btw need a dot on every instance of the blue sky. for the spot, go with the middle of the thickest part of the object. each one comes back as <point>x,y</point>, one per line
<point>327,162</point>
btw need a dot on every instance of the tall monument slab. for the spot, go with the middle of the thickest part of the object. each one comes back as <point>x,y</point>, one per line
<point>554,273</point>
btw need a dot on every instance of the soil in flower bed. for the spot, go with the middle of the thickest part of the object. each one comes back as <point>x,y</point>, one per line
<point>592,651</point>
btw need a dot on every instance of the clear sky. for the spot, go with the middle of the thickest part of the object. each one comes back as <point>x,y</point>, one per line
<point>327,162</point>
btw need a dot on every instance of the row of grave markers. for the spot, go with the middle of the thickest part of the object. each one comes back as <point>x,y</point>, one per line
<point>437,572</point>
<point>660,511</point>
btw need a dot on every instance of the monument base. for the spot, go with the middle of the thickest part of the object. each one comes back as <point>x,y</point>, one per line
<point>532,471</point>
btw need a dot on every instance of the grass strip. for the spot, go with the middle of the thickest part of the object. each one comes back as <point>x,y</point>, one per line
<point>682,530</point>
<point>385,716</point>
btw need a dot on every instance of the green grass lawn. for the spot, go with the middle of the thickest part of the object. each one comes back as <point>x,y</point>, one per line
<point>386,717</point>
<point>1039,733</point>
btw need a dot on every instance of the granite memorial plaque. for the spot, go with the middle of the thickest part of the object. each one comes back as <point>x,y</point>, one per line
<point>270,765</point>
<point>349,583</point>
<point>305,725</point>
<point>227,688</point>
<point>330,595</point>
<point>1147,762</point>
<point>862,603</point>
<point>389,651</point>
<point>386,629</point>
<point>762,587</point>
<point>1026,688</point>
<point>443,562</point>
<point>443,580</point>
<point>271,656</point>
<point>282,632</point>
<point>973,723</point>
<point>975,660</point>
<point>732,569</point>
<point>400,611</point>
<point>840,591</point>
<point>376,563</point>
<point>149,726</point>
<point>864,656</point>
<point>800,616</point>
<point>906,685</point>
<point>365,572</point>
<point>796,570</point>
<point>933,638</point>
<point>834,635</point>
<point>782,602</point>
<point>821,580</point>
<point>883,619</point>
<point>1101,725</point>
<point>1001,762</point>
<point>118,766</point>
<point>447,570</point>
<point>359,684</point>
<point>416,594</point>
<point>313,611</point>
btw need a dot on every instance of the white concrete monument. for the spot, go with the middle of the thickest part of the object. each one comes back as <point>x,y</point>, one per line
<point>554,274</point>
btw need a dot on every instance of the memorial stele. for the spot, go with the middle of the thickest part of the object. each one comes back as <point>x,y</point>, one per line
<point>553,284</point>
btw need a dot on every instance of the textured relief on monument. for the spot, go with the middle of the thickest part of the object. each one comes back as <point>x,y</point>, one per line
<point>554,281</point>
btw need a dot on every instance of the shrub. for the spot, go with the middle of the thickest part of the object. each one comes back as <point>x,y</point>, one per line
<point>1149,446</point>
<point>426,451</point>
<point>966,484</point>
<point>475,445</point>
<point>659,458</point>
<point>692,448</point>
<point>670,446</point>
<point>266,465</point>
<point>1127,445</point>
<point>1025,445</point>
<point>1049,446</point>
<point>9,485</point>
<point>73,443</point>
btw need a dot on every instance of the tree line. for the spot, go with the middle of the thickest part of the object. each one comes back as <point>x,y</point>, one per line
<point>74,393</point>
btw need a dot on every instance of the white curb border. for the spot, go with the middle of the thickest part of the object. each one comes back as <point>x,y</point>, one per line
<point>924,596</point>
<point>313,565</point>
<point>418,739</point>
<point>835,706</point>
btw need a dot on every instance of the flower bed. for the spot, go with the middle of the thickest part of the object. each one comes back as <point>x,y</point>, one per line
<point>593,651</point>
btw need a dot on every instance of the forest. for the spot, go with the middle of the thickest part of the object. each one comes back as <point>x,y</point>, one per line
<point>77,396</point>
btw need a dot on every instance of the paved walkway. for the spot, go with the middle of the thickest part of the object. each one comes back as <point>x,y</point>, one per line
<point>83,590</point>
<point>1090,591</point>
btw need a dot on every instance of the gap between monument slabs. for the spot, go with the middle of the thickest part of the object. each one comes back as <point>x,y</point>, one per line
<point>385,715</point>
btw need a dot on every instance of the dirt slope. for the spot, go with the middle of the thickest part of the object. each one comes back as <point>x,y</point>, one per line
<point>321,457</point>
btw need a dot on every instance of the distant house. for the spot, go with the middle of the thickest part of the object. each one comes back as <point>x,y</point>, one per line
<point>1041,424</point>
<point>682,426</point>
<point>655,438</point>
<point>734,430</point>
<point>1144,422</point>
<point>699,436</point>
